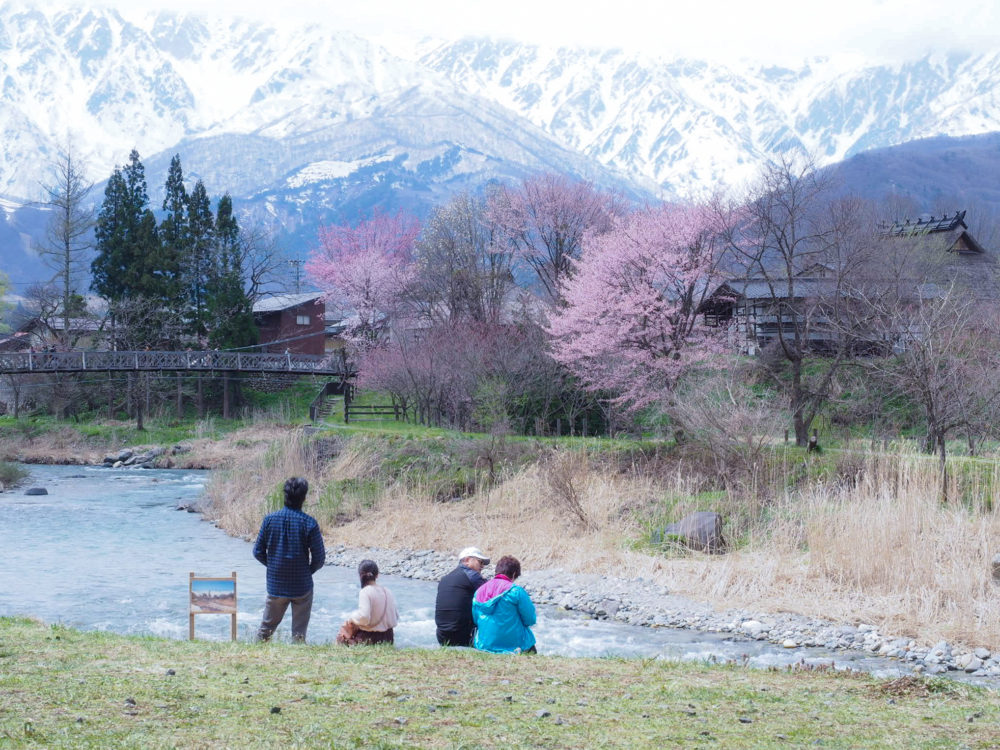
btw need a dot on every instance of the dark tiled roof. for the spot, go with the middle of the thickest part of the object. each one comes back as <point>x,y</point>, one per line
<point>907,228</point>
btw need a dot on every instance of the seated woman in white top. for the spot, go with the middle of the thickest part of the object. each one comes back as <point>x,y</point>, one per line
<point>376,614</point>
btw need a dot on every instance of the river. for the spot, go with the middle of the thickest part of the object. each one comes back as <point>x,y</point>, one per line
<point>107,549</point>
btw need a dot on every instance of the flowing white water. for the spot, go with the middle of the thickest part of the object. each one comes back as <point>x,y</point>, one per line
<point>107,549</point>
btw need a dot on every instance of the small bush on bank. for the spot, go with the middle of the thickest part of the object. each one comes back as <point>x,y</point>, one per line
<point>11,475</point>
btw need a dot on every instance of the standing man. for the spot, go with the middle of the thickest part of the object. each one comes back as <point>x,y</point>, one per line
<point>291,546</point>
<point>453,608</point>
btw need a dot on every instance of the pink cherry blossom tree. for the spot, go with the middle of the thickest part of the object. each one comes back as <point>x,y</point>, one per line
<point>545,220</point>
<point>630,323</point>
<point>364,270</point>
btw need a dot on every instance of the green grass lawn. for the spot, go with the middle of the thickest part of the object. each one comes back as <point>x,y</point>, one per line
<point>64,688</point>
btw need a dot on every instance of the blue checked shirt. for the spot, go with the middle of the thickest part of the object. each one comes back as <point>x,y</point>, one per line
<point>291,546</point>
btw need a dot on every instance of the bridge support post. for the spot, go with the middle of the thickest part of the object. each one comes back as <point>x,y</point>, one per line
<point>180,397</point>
<point>225,396</point>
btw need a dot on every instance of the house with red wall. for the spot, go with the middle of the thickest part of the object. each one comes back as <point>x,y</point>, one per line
<point>291,322</point>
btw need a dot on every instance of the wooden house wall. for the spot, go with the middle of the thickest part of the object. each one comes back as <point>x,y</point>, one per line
<point>281,325</point>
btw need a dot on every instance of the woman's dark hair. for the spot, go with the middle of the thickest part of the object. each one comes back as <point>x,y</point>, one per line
<point>508,566</point>
<point>295,492</point>
<point>367,572</point>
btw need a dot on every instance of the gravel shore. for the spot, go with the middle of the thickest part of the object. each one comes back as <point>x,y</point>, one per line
<point>639,602</point>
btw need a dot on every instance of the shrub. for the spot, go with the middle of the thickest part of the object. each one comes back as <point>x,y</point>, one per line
<point>11,474</point>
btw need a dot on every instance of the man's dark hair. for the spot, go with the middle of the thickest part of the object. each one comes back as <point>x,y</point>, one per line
<point>295,492</point>
<point>508,566</point>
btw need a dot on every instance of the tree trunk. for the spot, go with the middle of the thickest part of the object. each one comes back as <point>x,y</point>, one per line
<point>798,405</point>
<point>180,397</point>
<point>225,396</point>
<point>801,429</point>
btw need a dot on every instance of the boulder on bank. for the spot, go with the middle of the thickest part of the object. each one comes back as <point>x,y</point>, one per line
<point>36,491</point>
<point>996,570</point>
<point>700,531</point>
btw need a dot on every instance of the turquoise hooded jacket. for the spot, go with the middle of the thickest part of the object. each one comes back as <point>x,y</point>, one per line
<point>504,614</point>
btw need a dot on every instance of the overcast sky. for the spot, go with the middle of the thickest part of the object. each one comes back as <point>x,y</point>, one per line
<point>780,30</point>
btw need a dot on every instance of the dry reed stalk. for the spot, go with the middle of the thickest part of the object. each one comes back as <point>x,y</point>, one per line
<point>515,517</point>
<point>884,551</point>
<point>237,496</point>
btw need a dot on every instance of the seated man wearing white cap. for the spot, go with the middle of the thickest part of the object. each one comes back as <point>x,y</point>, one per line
<point>453,608</point>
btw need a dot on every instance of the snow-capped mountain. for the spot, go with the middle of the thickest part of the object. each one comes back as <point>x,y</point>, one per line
<point>267,109</point>
<point>308,123</point>
<point>690,125</point>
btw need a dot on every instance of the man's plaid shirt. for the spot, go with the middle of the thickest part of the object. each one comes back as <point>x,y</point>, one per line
<point>291,546</point>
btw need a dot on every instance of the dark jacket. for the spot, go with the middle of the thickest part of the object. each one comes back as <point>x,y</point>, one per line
<point>291,546</point>
<point>453,608</point>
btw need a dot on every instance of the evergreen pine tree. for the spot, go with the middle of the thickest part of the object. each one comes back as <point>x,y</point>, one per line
<point>229,306</point>
<point>200,259</point>
<point>109,269</point>
<point>132,265</point>
<point>174,232</point>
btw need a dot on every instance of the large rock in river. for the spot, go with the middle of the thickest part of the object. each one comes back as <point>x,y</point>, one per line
<point>36,491</point>
<point>701,530</point>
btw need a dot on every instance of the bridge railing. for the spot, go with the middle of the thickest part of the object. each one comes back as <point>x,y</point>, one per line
<point>83,361</point>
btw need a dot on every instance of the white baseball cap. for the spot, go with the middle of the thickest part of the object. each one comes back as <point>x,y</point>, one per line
<point>473,552</point>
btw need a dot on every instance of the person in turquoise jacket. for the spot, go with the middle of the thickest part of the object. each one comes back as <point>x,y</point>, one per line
<point>503,612</point>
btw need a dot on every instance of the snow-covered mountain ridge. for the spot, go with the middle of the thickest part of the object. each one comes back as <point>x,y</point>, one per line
<point>688,124</point>
<point>290,115</point>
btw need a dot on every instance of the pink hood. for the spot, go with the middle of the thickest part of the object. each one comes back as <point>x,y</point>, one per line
<point>493,588</point>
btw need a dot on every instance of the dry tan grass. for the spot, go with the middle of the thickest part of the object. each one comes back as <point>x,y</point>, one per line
<point>883,551</point>
<point>64,446</point>
<point>238,495</point>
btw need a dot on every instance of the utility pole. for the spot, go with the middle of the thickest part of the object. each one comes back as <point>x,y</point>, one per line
<point>297,264</point>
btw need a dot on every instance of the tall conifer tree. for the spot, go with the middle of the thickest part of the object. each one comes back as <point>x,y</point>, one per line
<point>200,259</point>
<point>229,306</point>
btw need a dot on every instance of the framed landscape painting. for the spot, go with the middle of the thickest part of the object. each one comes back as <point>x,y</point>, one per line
<point>211,596</point>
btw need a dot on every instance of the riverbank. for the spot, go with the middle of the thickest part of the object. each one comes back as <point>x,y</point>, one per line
<point>638,601</point>
<point>758,592</point>
<point>69,446</point>
<point>151,692</point>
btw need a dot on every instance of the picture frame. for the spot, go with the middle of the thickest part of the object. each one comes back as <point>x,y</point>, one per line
<point>212,595</point>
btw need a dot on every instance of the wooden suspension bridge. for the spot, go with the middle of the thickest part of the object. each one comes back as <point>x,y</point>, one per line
<point>339,372</point>
<point>22,363</point>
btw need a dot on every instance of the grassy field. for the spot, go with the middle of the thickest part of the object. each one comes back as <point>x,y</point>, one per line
<point>64,688</point>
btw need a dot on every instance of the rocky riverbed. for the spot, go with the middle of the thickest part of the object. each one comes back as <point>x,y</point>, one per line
<point>640,602</point>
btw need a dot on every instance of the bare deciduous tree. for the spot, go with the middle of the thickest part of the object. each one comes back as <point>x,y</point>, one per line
<point>68,234</point>
<point>946,355</point>
<point>719,410</point>
<point>463,270</point>
<point>804,246</point>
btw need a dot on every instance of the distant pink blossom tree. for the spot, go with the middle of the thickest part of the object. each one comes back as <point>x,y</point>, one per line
<point>545,220</point>
<point>630,321</point>
<point>364,270</point>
